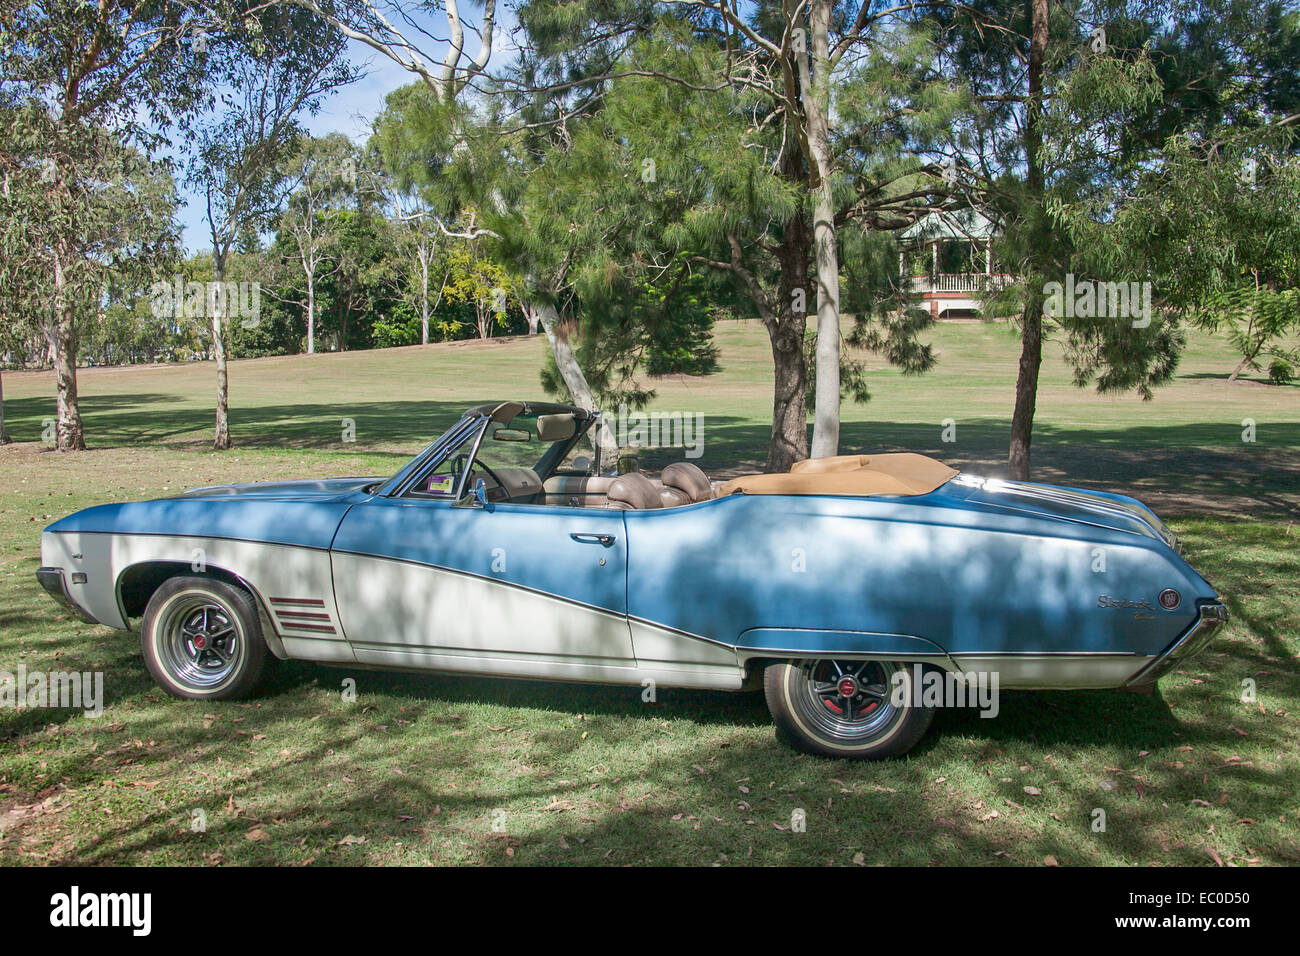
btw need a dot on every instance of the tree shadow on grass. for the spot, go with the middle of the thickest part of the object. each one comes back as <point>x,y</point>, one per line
<point>116,420</point>
<point>1186,468</point>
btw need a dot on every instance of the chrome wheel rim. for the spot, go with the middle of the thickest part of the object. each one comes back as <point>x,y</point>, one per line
<point>201,644</point>
<point>848,700</point>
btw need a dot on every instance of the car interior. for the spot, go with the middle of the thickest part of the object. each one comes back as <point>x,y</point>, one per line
<point>529,458</point>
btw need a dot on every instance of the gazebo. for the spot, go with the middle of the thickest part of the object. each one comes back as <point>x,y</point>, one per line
<point>960,260</point>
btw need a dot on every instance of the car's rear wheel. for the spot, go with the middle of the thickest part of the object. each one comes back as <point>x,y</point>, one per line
<point>202,639</point>
<point>855,709</point>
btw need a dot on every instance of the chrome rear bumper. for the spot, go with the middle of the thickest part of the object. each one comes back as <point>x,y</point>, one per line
<point>1187,646</point>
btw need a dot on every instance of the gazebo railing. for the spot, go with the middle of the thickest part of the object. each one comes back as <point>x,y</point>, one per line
<point>959,282</point>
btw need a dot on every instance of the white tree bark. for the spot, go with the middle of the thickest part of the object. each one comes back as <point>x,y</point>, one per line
<point>221,440</point>
<point>425,252</point>
<point>311,309</point>
<point>4,434</point>
<point>68,431</point>
<point>816,104</point>
<point>557,334</point>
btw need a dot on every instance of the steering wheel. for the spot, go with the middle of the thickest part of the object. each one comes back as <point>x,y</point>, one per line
<point>460,463</point>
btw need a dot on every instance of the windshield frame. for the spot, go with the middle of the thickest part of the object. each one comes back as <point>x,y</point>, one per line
<point>395,486</point>
<point>477,420</point>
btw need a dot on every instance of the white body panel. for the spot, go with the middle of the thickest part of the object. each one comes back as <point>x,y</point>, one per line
<point>293,585</point>
<point>399,614</point>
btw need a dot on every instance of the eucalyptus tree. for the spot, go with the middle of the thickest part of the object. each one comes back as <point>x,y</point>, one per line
<point>446,65</point>
<point>98,85</point>
<point>325,173</point>
<point>410,147</point>
<point>274,65</point>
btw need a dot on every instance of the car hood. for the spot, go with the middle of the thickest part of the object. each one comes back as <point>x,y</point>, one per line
<point>325,488</point>
<point>303,513</point>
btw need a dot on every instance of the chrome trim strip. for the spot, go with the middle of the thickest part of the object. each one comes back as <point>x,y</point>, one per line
<point>1191,643</point>
<point>676,630</point>
<point>434,455</point>
<point>942,661</point>
<point>209,537</point>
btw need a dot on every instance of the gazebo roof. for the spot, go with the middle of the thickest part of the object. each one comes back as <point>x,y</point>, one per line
<point>968,223</point>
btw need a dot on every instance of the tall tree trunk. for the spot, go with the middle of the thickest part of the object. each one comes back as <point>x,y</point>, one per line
<point>4,434</point>
<point>311,311</point>
<point>424,293</point>
<point>789,377</point>
<point>785,331</point>
<point>1022,419</point>
<point>221,440</point>
<point>68,435</point>
<point>816,94</point>
<point>1031,333</point>
<point>557,334</point>
<point>348,304</point>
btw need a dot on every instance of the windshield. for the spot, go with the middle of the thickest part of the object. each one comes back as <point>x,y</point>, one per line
<point>533,445</point>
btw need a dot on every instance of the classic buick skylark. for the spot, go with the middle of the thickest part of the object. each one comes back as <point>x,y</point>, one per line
<point>498,550</point>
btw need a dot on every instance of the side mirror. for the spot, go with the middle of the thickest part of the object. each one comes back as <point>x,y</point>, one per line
<point>475,499</point>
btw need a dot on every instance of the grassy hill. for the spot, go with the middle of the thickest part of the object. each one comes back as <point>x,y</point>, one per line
<point>1184,449</point>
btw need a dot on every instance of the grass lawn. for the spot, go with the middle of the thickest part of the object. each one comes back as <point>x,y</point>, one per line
<point>432,769</point>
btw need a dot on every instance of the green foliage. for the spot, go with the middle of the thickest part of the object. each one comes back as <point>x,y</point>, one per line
<point>476,280</point>
<point>1216,224</point>
<point>79,200</point>
<point>399,327</point>
<point>1261,323</point>
<point>278,64</point>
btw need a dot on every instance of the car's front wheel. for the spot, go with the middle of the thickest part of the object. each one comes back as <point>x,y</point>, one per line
<point>854,709</point>
<point>202,639</point>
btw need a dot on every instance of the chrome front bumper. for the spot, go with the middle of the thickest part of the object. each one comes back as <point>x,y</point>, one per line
<point>1187,646</point>
<point>53,581</point>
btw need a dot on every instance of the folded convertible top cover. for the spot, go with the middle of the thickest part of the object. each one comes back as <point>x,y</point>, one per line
<point>894,474</point>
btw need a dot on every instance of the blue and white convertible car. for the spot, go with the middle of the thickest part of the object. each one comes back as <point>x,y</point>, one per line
<point>837,587</point>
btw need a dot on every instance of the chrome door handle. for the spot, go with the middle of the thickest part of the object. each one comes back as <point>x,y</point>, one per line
<point>604,540</point>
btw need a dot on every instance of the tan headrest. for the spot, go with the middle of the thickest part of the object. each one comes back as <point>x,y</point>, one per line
<point>635,491</point>
<point>555,427</point>
<point>689,480</point>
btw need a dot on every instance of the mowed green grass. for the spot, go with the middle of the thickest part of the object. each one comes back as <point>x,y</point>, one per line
<point>432,769</point>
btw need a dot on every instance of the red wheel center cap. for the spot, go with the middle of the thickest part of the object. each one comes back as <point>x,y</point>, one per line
<point>848,687</point>
<point>200,642</point>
